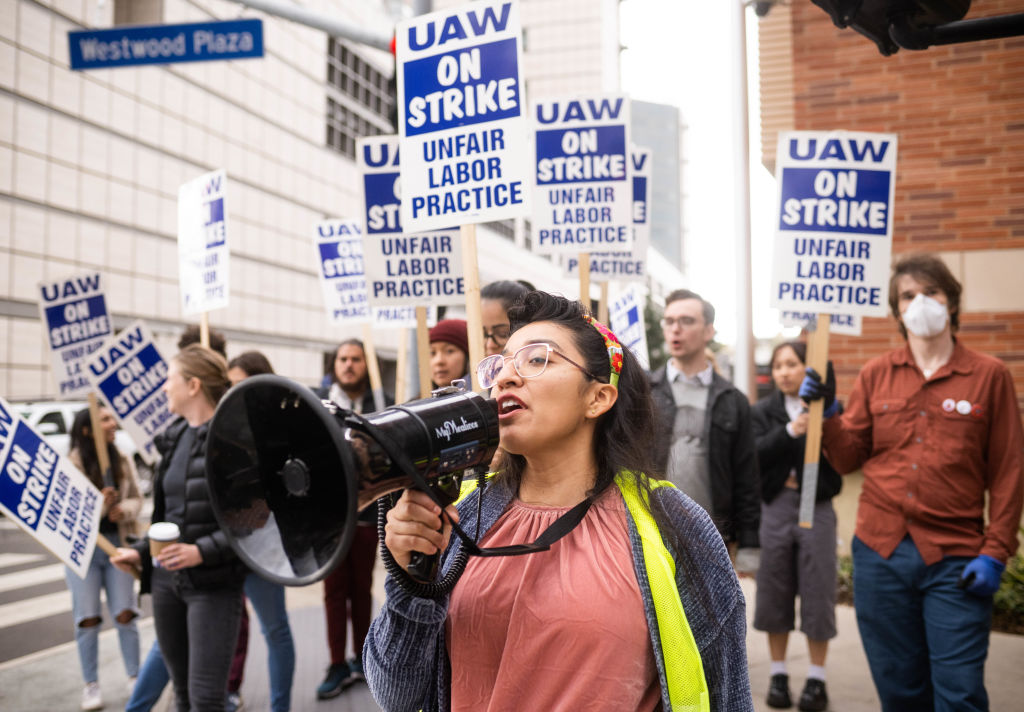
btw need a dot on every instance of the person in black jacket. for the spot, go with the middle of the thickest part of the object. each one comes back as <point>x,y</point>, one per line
<point>704,443</point>
<point>197,582</point>
<point>794,560</point>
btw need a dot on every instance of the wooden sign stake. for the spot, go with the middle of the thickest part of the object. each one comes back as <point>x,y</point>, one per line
<point>474,317</point>
<point>373,368</point>
<point>817,358</point>
<point>423,351</point>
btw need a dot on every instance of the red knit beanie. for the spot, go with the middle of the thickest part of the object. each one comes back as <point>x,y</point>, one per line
<point>451,331</point>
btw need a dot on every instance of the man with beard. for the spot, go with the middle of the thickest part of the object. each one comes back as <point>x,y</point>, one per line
<point>347,589</point>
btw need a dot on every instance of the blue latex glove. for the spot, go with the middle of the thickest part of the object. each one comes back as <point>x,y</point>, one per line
<point>981,576</point>
<point>813,389</point>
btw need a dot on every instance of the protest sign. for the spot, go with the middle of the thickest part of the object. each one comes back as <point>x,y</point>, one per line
<point>846,324</point>
<point>45,495</point>
<point>626,320</point>
<point>203,243</point>
<point>402,269</point>
<point>462,120</point>
<point>338,245</point>
<point>626,266</point>
<point>129,373</point>
<point>833,240</point>
<point>583,196</point>
<point>76,322</point>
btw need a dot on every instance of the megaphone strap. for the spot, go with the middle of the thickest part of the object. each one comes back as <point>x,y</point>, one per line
<point>558,529</point>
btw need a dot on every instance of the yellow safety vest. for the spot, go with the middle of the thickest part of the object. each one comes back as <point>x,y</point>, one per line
<point>684,671</point>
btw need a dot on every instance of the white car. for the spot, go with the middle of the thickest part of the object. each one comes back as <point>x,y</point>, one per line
<point>53,420</point>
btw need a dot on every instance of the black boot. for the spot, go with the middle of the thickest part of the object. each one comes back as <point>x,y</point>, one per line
<point>813,698</point>
<point>778,692</point>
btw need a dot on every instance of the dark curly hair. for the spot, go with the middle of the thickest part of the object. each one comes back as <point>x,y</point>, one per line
<point>624,436</point>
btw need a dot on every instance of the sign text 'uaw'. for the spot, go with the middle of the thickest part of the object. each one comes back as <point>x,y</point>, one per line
<point>833,240</point>
<point>461,116</point>
<point>338,245</point>
<point>76,322</point>
<point>583,200</point>
<point>165,44</point>
<point>203,243</point>
<point>45,495</point>
<point>631,265</point>
<point>402,269</point>
<point>129,373</point>
<point>626,320</point>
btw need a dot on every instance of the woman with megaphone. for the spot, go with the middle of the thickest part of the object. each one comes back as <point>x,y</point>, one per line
<point>628,603</point>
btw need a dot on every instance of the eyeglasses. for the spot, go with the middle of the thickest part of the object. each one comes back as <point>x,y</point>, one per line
<point>499,334</point>
<point>529,362</point>
<point>669,322</point>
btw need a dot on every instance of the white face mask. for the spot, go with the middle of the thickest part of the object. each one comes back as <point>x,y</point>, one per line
<point>925,317</point>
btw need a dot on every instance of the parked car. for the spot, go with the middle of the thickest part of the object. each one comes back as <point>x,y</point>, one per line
<point>53,419</point>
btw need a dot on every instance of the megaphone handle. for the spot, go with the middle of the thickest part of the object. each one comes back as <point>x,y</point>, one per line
<point>423,567</point>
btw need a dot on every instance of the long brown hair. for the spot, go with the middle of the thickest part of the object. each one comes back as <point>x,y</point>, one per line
<point>82,440</point>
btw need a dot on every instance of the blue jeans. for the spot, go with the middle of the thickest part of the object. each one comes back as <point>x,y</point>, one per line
<point>153,678</point>
<point>85,604</point>
<point>268,601</point>
<point>925,639</point>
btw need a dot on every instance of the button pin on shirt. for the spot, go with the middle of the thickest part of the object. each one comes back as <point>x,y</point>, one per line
<point>963,407</point>
<point>949,405</point>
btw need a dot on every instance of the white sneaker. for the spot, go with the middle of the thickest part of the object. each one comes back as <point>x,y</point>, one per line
<point>91,698</point>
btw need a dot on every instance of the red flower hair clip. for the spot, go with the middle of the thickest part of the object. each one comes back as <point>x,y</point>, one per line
<point>611,342</point>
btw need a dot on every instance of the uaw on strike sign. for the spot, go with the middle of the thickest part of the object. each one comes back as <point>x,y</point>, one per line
<point>76,322</point>
<point>402,269</point>
<point>461,117</point>
<point>583,200</point>
<point>629,266</point>
<point>833,240</point>
<point>203,243</point>
<point>339,254</point>
<point>44,494</point>
<point>129,374</point>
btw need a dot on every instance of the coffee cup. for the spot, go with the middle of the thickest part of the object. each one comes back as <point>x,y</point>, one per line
<point>160,535</point>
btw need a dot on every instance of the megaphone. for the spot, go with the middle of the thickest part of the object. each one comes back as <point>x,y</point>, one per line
<point>288,473</point>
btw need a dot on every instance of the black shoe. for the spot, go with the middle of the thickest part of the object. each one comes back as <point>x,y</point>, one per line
<point>334,681</point>
<point>813,698</point>
<point>778,692</point>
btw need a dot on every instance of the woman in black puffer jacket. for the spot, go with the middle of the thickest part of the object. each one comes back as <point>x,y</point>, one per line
<point>197,582</point>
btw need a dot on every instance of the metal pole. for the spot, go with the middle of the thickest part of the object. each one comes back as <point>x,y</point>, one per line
<point>320,21</point>
<point>744,372</point>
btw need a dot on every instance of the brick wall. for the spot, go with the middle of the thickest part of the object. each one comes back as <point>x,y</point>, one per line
<point>959,114</point>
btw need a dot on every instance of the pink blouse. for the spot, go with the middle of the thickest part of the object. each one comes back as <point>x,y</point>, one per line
<point>563,629</point>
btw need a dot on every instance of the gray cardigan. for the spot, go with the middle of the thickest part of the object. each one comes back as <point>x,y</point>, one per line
<point>405,658</point>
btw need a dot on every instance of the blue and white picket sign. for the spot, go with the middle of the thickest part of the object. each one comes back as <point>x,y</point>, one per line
<point>203,243</point>
<point>462,116</point>
<point>401,269</point>
<point>45,495</point>
<point>128,372</point>
<point>338,245</point>
<point>846,324</point>
<point>626,317</point>
<point>833,240</point>
<point>583,195</point>
<point>165,44</point>
<point>631,265</point>
<point>76,321</point>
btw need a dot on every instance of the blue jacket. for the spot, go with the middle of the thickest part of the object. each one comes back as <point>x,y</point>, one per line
<point>405,657</point>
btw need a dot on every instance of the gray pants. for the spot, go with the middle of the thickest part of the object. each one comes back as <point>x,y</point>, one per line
<point>197,631</point>
<point>796,561</point>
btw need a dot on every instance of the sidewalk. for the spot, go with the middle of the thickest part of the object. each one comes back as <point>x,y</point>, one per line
<point>50,681</point>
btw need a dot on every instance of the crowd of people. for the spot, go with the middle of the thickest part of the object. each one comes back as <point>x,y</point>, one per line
<point>641,499</point>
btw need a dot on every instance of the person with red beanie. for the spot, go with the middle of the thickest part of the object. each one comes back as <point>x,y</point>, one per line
<point>449,352</point>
